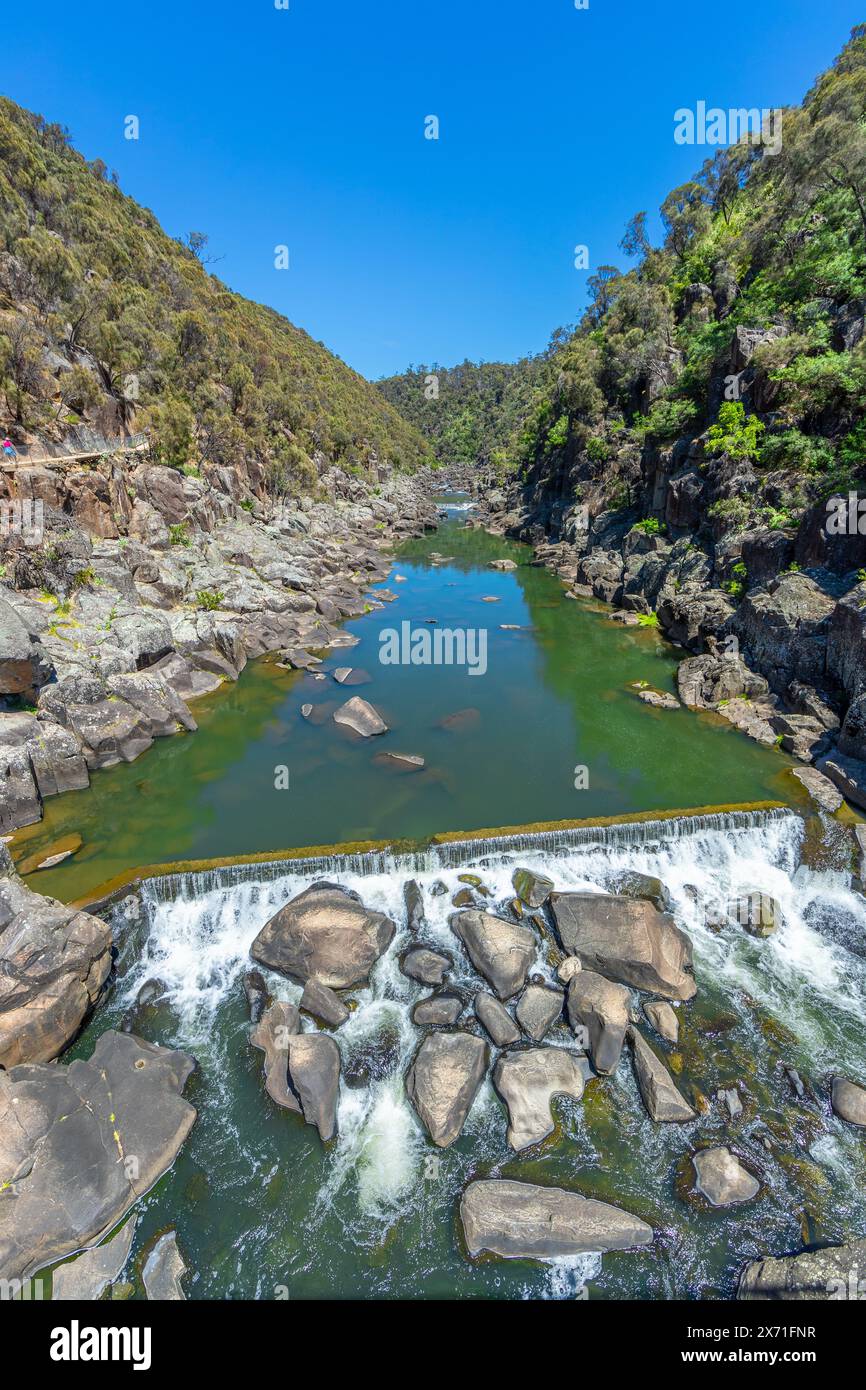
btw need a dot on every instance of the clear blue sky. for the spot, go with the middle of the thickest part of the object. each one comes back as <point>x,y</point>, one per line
<point>306,128</point>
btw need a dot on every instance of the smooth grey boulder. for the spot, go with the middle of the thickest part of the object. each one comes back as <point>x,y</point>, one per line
<point>835,1272</point>
<point>90,1275</point>
<point>426,966</point>
<point>325,933</point>
<point>357,714</point>
<point>527,1081</point>
<point>537,1010</point>
<point>598,1009</point>
<point>532,888</point>
<point>322,1003</point>
<point>119,1118</point>
<point>849,1103</point>
<point>443,1081</point>
<point>634,884</point>
<point>496,1020</point>
<point>722,1179</point>
<point>439,1010</point>
<point>627,940</point>
<point>314,1075</point>
<point>414,900</point>
<point>271,1034</point>
<point>520,1221</point>
<point>660,1096</point>
<point>54,962</point>
<point>163,1270</point>
<point>501,951</point>
<point>664,1019</point>
<point>256,993</point>
<point>820,788</point>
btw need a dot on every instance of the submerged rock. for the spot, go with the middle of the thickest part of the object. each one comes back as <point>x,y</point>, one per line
<point>849,1103</point>
<point>443,1081</point>
<point>527,1082</point>
<point>660,1096</point>
<point>496,1020</point>
<point>163,1270</point>
<point>519,1220</point>
<point>538,1009</point>
<point>598,1009</point>
<point>426,966</point>
<point>325,932</point>
<point>627,940</point>
<point>502,951</point>
<point>357,714</point>
<point>722,1178</point>
<point>835,1272</point>
<point>271,1034</point>
<point>320,1001</point>
<point>58,1123</point>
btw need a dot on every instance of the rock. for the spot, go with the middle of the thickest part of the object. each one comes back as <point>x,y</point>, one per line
<point>426,966</point>
<point>783,629</point>
<point>663,1101</point>
<point>325,933</point>
<point>532,888</point>
<point>352,675</point>
<point>568,968</point>
<point>257,994</point>
<point>59,1123</point>
<point>502,951</point>
<point>598,1012</point>
<point>61,849</point>
<point>272,1033</point>
<point>24,665</point>
<point>501,565</point>
<point>705,681</point>
<point>322,1003</point>
<point>660,699</point>
<point>813,1275</point>
<point>443,1081</point>
<point>163,1270</point>
<point>314,1074</point>
<point>849,1103</point>
<point>54,962</point>
<point>461,720</point>
<point>538,1009</point>
<point>663,1019</point>
<point>637,885</point>
<point>848,774</point>
<point>722,1179</point>
<point>819,787</point>
<point>402,762</point>
<point>439,1010</point>
<point>496,1020</point>
<point>625,940</point>
<point>414,900</point>
<point>527,1081</point>
<point>90,1275</point>
<point>464,897</point>
<point>357,714</point>
<point>522,1221</point>
<point>730,1100</point>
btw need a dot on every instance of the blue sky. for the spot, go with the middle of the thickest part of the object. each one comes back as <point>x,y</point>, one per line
<point>305,127</point>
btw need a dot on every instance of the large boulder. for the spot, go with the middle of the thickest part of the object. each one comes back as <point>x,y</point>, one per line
<point>89,1275</point>
<point>846,642</point>
<point>271,1034</point>
<point>722,1179</point>
<point>360,716</point>
<point>598,1010</point>
<point>496,1020</point>
<point>849,1103</point>
<point>443,1081</point>
<point>537,1010</point>
<point>426,966</point>
<point>783,630</point>
<point>325,933</point>
<point>659,1094</point>
<point>835,1272</point>
<point>163,1270</point>
<point>24,665</point>
<point>320,1001</point>
<point>527,1081</point>
<point>532,888</point>
<point>521,1221</point>
<point>705,681</point>
<point>79,1144</point>
<point>627,940</point>
<point>314,1075</point>
<point>501,951</point>
<point>54,962</point>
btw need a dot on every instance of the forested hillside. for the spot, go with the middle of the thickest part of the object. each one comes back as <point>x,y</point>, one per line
<point>107,321</point>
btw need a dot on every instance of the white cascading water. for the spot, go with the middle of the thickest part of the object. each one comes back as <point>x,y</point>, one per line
<point>200,928</point>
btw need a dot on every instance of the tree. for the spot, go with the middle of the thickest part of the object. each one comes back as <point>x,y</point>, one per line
<point>635,241</point>
<point>684,216</point>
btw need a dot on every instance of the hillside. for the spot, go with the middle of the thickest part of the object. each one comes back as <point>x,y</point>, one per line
<point>109,325</point>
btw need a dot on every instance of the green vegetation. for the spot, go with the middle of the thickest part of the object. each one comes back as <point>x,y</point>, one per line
<point>209,599</point>
<point>735,433</point>
<point>179,534</point>
<point>143,336</point>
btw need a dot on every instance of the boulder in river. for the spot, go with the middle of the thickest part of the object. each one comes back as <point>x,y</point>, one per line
<point>426,966</point>
<point>633,884</point>
<point>357,714</point>
<point>522,1221</point>
<point>501,951</point>
<point>722,1179</point>
<point>257,994</point>
<point>663,1018</point>
<point>325,933</point>
<point>836,1272</point>
<point>352,675</point>
<point>439,1010</point>
<point>503,564</point>
<point>660,1096</point>
<point>537,1010</point>
<point>414,900</point>
<point>314,1073</point>
<point>400,762</point>
<point>849,1103</point>
<point>163,1270</point>
<point>496,1020</point>
<point>627,940</point>
<point>443,1081</point>
<point>271,1034</point>
<point>322,1003</point>
<point>119,1118</point>
<point>532,888</point>
<point>527,1081</point>
<point>90,1274</point>
<point>598,1011</point>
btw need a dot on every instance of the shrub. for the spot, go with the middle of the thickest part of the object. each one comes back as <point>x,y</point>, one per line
<point>809,453</point>
<point>209,599</point>
<point>732,512</point>
<point>651,526</point>
<point>735,433</point>
<point>179,534</point>
<point>598,449</point>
